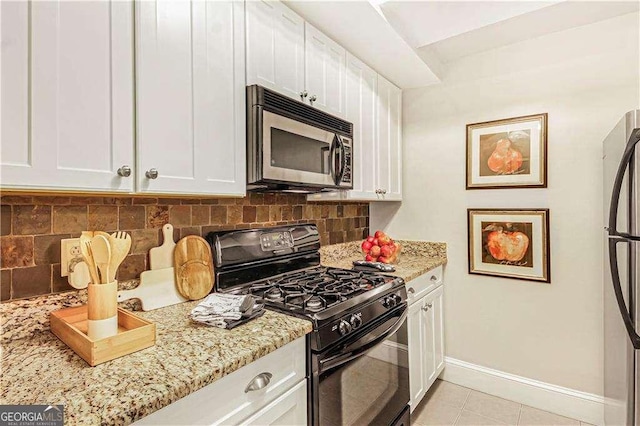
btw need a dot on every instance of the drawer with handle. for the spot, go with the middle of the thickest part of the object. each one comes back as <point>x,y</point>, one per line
<point>239,395</point>
<point>420,286</point>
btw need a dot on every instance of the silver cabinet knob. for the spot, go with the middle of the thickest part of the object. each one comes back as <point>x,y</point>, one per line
<point>429,305</point>
<point>384,191</point>
<point>151,173</point>
<point>312,99</point>
<point>411,290</point>
<point>303,95</point>
<point>425,308</point>
<point>258,382</point>
<point>433,278</point>
<point>124,171</point>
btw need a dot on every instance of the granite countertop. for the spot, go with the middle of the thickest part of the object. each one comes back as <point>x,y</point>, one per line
<point>37,368</point>
<point>186,357</point>
<point>415,259</point>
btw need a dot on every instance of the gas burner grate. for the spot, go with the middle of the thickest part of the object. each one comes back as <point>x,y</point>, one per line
<point>313,290</point>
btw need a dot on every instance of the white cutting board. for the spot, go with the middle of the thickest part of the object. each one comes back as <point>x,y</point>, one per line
<point>157,289</point>
<point>162,257</point>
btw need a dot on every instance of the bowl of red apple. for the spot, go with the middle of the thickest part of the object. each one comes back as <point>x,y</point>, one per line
<point>380,248</point>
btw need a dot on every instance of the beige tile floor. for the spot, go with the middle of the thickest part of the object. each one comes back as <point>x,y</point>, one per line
<point>447,404</point>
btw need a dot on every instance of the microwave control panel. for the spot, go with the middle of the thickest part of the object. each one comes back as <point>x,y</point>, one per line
<point>346,176</point>
<point>270,241</point>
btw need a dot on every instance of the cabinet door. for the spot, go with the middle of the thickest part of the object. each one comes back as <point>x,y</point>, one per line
<point>438,331</point>
<point>324,72</point>
<point>288,409</point>
<point>67,95</point>
<point>389,152</point>
<point>360,108</point>
<point>275,47</point>
<point>416,346</point>
<point>434,353</point>
<point>190,97</point>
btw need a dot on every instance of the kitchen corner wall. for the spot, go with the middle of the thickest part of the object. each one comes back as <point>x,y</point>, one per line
<point>549,332</point>
<point>32,227</point>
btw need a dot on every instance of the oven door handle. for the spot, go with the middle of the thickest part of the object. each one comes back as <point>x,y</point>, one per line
<point>343,160</point>
<point>379,337</point>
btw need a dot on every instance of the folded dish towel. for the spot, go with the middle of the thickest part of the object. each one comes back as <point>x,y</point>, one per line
<point>221,310</point>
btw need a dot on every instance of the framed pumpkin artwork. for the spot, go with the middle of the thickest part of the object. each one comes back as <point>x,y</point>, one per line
<point>509,243</point>
<point>509,153</point>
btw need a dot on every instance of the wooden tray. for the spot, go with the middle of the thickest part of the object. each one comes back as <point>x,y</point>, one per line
<point>134,334</point>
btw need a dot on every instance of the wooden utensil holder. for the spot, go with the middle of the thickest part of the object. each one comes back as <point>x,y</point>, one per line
<point>102,310</point>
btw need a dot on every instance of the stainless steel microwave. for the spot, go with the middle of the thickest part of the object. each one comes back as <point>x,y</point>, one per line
<point>295,147</point>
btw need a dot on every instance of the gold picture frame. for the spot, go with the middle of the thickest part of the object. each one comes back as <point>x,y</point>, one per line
<point>507,153</point>
<point>509,243</point>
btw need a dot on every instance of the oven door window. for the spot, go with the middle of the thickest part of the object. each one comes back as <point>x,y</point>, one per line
<point>372,388</point>
<point>296,152</point>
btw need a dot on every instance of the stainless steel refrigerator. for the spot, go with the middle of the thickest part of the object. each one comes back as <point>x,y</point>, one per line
<point>621,272</point>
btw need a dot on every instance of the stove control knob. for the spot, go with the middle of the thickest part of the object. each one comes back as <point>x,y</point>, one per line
<point>344,327</point>
<point>391,302</point>
<point>355,321</point>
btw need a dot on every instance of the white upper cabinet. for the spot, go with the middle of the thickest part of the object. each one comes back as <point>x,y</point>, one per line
<point>360,108</point>
<point>324,72</point>
<point>67,95</point>
<point>275,47</point>
<point>190,97</point>
<point>389,138</point>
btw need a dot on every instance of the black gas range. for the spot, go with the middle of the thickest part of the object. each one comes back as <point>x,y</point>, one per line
<point>358,319</point>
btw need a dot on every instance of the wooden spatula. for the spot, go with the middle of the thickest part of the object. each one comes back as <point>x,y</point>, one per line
<point>120,243</point>
<point>102,256</point>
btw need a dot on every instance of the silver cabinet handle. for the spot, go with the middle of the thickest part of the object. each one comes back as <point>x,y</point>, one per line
<point>258,382</point>
<point>124,171</point>
<point>384,191</point>
<point>433,278</point>
<point>430,305</point>
<point>303,95</point>
<point>425,308</point>
<point>411,290</point>
<point>312,99</point>
<point>151,173</point>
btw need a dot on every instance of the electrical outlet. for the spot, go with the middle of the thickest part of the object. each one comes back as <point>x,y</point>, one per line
<point>70,253</point>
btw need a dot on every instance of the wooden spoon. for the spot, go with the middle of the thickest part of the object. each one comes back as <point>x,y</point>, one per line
<point>102,256</point>
<point>85,248</point>
<point>120,243</point>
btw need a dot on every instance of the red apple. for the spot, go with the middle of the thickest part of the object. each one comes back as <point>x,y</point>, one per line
<point>383,259</point>
<point>375,251</point>
<point>370,239</point>
<point>366,246</point>
<point>379,233</point>
<point>507,245</point>
<point>384,240</point>
<point>369,258</point>
<point>375,242</point>
<point>386,251</point>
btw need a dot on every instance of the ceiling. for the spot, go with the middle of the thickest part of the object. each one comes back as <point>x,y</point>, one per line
<point>420,43</point>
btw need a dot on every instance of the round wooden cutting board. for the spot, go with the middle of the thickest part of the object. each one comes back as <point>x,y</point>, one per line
<point>193,267</point>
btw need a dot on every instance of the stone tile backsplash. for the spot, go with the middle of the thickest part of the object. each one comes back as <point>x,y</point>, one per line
<point>32,227</point>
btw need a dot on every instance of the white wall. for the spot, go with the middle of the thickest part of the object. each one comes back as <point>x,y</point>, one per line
<point>548,332</point>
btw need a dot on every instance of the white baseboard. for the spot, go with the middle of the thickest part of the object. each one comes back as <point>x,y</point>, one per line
<point>567,402</point>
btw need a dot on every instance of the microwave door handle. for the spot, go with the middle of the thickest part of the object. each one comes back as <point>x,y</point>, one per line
<point>342,359</point>
<point>625,162</point>
<point>332,154</point>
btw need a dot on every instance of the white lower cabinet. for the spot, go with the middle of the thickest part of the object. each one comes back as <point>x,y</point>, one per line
<point>426,342</point>
<point>230,401</point>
